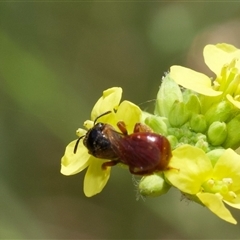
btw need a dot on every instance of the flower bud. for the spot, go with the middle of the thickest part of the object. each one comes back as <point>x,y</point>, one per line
<point>198,123</point>
<point>157,124</point>
<point>221,111</point>
<point>200,136</point>
<point>153,185</point>
<point>144,115</point>
<point>193,104</point>
<point>233,137</point>
<point>177,132</point>
<point>217,133</point>
<point>178,114</point>
<point>214,155</point>
<point>202,145</point>
<point>173,141</point>
<point>168,93</point>
<point>186,94</point>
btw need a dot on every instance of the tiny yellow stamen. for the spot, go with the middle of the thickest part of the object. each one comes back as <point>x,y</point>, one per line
<point>210,182</point>
<point>233,63</point>
<point>222,80</point>
<point>217,186</point>
<point>80,132</point>
<point>88,124</point>
<point>231,81</point>
<point>237,91</point>
<point>227,180</point>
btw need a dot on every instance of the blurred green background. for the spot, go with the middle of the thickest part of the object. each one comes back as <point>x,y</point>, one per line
<point>56,59</point>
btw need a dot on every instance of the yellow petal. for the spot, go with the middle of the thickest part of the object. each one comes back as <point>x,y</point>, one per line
<point>191,167</point>
<point>74,163</point>
<point>193,80</point>
<point>233,101</point>
<point>228,166</point>
<point>216,56</point>
<point>129,113</point>
<point>215,204</point>
<point>233,203</point>
<point>109,100</point>
<point>95,177</point>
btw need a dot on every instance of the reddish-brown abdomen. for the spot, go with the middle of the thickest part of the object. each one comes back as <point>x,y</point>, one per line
<point>153,153</point>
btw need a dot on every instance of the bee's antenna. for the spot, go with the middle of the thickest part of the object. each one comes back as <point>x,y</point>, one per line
<point>76,145</point>
<point>148,101</point>
<point>101,116</point>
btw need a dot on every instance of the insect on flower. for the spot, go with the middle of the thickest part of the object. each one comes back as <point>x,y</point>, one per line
<point>143,151</point>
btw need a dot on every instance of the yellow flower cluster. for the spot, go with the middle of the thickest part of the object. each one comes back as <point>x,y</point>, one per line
<point>201,121</point>
<point>223,60</point>
<point>218,181</point>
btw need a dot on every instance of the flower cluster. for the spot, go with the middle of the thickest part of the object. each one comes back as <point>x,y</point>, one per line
<point>202,123</point>
<point>200,117</point>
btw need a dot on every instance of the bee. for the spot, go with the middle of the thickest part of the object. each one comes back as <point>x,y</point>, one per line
<point>143,151</point>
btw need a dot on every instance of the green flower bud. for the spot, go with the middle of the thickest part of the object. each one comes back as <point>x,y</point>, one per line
<point>217,133</point>
<point>173,141</point>
<point>200,136</point>
<point>168,93</point>
<point>184,140</point>
<point>193,104</point>
<point>165,120</point>
<point>233,137</point>
<point>202,145</point>
<point>178,114</point>
<point>175,132</point>
<point>157,124</point>
<point>153,185</point>
<point>214,155</point>
<point>186,94</point>
<point>178,132</point>
<point>144,115</point>
<point>221,111</point>
<point>198,123</point>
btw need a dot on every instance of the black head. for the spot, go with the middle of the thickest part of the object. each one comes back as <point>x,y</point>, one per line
<point>95,141</point>
<point>94,138</point>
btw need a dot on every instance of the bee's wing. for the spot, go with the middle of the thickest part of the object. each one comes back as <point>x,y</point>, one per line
<point>141,156</point>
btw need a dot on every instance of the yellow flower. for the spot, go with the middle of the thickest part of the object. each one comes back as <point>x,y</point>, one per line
<point>96,177</point>
<point>211,183</point>
<point>223,60</point>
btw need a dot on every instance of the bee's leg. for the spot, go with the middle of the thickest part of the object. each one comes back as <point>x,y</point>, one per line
<point>109,164</point>
<point>137,171</point>
<point>122,127</point>
<point>139,127</point>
